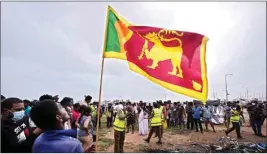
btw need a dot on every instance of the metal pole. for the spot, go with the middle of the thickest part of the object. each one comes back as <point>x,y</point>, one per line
<point>247,93</point>
<point>213,94</point>
<point>226,92</point>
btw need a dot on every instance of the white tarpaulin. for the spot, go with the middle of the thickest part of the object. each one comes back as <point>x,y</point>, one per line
<point>218,115</point>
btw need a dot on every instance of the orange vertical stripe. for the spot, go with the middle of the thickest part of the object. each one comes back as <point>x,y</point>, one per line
<point>123,31</point>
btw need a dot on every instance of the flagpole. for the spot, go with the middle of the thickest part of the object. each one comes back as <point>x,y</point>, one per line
<point>101,81</point>
<point>99,104</point>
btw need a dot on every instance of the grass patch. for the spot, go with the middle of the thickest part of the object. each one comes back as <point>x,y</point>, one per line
<point>103,142</point>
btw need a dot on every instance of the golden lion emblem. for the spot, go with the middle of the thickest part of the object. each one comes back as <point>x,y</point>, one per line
<point>159,52</point>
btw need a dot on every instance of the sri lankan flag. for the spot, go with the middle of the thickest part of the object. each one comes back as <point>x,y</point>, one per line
<point>116,35</point>
<point>173,59</point>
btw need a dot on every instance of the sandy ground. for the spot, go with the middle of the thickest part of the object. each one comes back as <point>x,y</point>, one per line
<point>173,137</point>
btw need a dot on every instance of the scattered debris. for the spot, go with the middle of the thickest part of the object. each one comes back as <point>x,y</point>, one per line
<point>226,140</point>
<point>227,145</point>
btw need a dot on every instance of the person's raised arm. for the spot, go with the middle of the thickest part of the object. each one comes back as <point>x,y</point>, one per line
<point>121,116</point>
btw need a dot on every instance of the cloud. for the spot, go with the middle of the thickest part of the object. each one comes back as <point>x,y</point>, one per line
<point>56,47</point>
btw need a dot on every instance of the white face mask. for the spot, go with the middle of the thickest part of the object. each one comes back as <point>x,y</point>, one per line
<point>18,115</point>
<point>253,103</point>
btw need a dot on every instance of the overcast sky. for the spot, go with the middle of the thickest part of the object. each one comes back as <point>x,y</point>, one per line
<point>55,48</point>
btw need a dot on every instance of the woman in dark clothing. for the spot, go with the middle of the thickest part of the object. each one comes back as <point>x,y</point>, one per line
<point>189,112</point>
<point>131,118</point>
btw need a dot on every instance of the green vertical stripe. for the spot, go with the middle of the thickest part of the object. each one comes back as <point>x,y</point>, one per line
<point>112,38</point>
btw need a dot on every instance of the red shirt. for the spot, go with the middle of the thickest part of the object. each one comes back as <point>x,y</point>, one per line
<point>75,115</point>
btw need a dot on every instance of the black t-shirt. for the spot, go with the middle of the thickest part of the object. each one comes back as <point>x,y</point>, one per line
<point>17,136</point>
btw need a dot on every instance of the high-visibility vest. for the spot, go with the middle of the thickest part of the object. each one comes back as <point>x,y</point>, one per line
<point>119,125</point>
<point>235,118</point>
<point>161,112</point>
<point>93,110</point>
<point>156,119</point>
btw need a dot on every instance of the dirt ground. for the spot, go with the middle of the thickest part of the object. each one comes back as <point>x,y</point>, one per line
<point>174,136</point>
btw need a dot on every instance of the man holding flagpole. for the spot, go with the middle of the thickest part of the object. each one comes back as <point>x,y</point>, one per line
<point>119,128</point>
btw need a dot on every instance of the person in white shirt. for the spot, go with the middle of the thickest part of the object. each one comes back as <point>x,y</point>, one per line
<point>115,110</point>
<point>141,122</point>
<point>207,116</point>
<point>146,122</point>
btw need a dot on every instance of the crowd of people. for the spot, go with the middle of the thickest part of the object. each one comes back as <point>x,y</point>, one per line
<point>49,125</point>
<point>46,125</point>
<point>188,115</point>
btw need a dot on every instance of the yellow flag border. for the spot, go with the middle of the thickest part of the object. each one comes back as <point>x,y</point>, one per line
<point>114,54</point>
<point>178,89</point>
